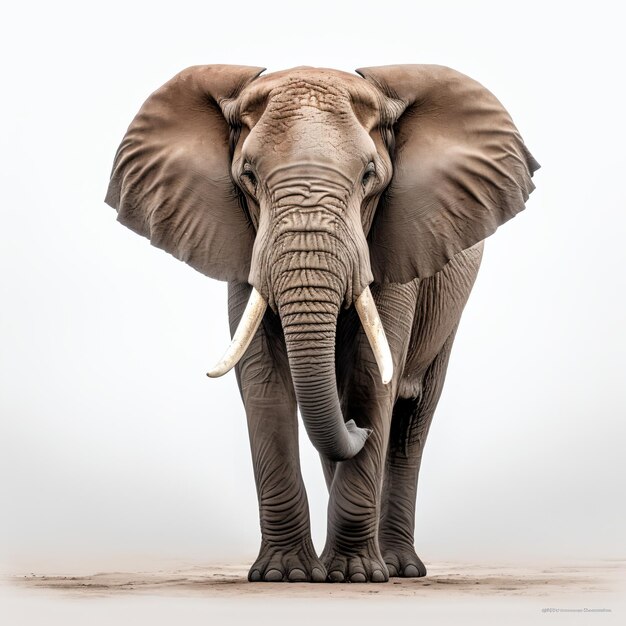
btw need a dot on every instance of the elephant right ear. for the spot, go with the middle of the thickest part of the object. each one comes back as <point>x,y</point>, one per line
<point>171,177</point>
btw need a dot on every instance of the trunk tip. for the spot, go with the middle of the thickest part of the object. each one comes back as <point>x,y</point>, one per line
<point>358,437</point>
<point>356,440</point>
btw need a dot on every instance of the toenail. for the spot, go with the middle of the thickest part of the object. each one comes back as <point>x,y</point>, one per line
<point>296,575</point>
<point>411,571</point>
<point>393,572</point>
<point>254,576</point>
<point>378,576</point>
<point>317,575</point>
<point>336,576</point>
<point>358,578</point>
<point>273,576</point>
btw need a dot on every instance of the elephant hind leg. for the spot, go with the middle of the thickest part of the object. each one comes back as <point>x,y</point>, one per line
<point>410,423</point>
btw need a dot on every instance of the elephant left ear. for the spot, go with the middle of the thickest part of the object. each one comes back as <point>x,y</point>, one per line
<point>460,170</point>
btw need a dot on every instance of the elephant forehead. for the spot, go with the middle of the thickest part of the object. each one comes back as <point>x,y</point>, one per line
<point>298,94</point>
<point>309,132</point>
<point>289,94</point>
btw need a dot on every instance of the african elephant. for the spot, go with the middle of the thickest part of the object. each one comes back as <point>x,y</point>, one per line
<point>310,191</point>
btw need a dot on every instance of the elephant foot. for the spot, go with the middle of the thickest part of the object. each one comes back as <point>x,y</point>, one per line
<point>277,564</point>
<point>362,566</point>
<point>402,562</point>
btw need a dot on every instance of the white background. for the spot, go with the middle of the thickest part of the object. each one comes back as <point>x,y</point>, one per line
<point>114,446</point>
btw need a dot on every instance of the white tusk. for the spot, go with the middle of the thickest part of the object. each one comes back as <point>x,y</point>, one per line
<point>366,308</point>
<point>248,325</point>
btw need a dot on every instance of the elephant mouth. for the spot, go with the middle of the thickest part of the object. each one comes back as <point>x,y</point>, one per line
<point>253,314</point>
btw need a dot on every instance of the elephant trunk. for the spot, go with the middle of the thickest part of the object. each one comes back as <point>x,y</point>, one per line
<point>310,283</point>
<point>309,325</point>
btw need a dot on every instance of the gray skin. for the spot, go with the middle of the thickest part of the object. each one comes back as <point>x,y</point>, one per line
<point>312,153</point>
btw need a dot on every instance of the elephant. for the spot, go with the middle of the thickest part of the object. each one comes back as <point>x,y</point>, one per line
<point>347,212</point>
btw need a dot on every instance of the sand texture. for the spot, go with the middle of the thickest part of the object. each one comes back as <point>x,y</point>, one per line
<point>471,594</point>
<point>443,580</point>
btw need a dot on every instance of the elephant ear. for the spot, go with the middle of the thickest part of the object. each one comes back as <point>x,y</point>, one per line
<point>171,177</point>
<point>460,170</point>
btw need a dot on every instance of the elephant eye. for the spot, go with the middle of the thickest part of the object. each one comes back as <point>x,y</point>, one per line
<point>369,174</point>
<point>248,179</point>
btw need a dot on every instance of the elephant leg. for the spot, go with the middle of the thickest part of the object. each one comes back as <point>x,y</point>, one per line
<point>409,428</point>
<point>328,467</point>
<point>352,552</point>
<point>287,552</point>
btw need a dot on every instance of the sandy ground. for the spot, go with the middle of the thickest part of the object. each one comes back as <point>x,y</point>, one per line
<point>586,591</point>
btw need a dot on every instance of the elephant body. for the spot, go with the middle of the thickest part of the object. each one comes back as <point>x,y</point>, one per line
<point>347,215</point>
<point>422,316</point>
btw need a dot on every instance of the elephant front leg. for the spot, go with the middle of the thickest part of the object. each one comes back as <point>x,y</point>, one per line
<point>352,552</point>
<point>287,552</point>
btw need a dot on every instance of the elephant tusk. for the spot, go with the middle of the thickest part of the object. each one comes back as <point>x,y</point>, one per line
<point>366,308</point>
<point>250,320</point>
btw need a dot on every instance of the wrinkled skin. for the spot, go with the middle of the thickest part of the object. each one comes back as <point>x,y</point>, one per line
<point>312,152</point>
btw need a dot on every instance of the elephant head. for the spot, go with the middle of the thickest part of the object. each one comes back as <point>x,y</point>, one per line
<point>309,184</point>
